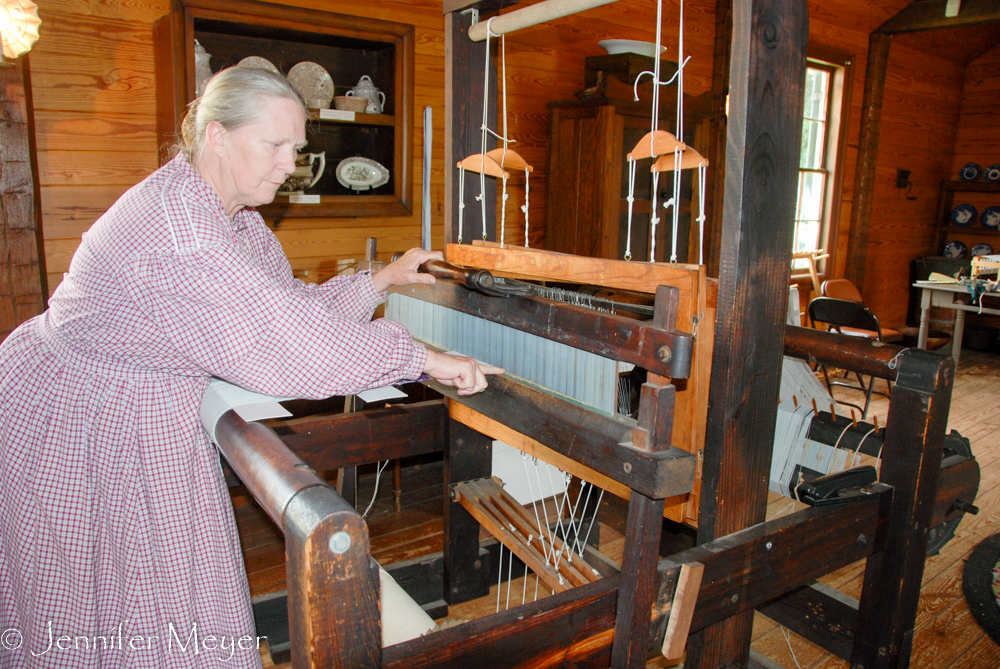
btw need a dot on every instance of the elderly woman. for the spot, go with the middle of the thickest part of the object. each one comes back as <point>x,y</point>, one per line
<point>118,545</point>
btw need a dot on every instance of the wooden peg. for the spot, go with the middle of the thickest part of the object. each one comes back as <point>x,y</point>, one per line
<point>795,401</point>
<point>682,610</point>
<point>833,411</point>
<point>853,419</point>
<point>815,408</point>
<point>875,419</point>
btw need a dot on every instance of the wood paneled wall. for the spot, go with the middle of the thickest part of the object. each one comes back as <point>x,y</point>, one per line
<point>919,120</point>
<point>94,100</point>
<point>94,92</point>
<point>978,136</point>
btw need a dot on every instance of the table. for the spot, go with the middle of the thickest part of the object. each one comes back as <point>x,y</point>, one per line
<point>943,295</point>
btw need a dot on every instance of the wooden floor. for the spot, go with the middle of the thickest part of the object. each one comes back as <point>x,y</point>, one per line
<point>946,636</point>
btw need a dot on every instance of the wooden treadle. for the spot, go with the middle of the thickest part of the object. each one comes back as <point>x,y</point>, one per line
<point>508,521</point>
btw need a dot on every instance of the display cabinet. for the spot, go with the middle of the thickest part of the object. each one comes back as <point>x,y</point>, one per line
<point>347,47</point>
<point>979,194</point>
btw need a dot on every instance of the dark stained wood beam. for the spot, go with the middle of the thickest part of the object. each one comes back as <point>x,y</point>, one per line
<point>911,463</point>
<point>767,74</point>
<point>864,179</point>
<point>463,117</point>
<point>717,137</point>
<point>23,287</point>
<point>929,15</point>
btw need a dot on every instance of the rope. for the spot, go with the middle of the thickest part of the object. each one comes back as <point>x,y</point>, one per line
<point>631,199</point>
<point>461,201</point>
<point>701,214</point>
<point>524,207</point>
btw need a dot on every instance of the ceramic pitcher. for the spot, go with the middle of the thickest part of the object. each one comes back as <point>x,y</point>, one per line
<point>366,89</point>
<point>308,170</point>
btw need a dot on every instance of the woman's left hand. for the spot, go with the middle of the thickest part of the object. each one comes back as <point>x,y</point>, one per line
<point>404,271</point>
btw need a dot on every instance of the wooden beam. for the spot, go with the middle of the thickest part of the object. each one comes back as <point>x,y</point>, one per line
<point>23,281</point>
<point>607,335</point>
<point>469,456</point>
<point>543,12</point>
<point>463,116</point>
<point>930,15</point>
<point>351,439</point>
<point>911,463</point>
<point>767,75</point>
<point>792,551</point>
<point>717,136</point>
<point>864,179</point>
<point>596,441</point>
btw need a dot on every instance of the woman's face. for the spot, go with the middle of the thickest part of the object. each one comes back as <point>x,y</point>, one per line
<point>257,157</point>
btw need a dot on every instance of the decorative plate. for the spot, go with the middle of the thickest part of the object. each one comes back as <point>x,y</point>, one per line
<point>971,172</point>
<point>981,249</point>
<point>956,250</point>
<point>990,218</point>
<point>258,63</point>
<point>361,173</point>
<point>313,83</point>
<point>616,46</point>
<point>992,174</point>
<point>964,215</point>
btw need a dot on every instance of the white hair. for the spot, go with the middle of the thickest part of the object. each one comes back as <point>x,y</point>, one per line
<point>231,99</point>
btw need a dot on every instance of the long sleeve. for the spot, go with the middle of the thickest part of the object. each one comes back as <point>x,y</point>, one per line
<point>237,322</point>
<point>352,296</point>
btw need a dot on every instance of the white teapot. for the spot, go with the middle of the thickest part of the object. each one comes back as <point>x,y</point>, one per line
<point>366,89</point>
<point>306,174</point>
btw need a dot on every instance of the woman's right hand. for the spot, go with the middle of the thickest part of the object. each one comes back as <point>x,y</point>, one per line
<point>468,375</point>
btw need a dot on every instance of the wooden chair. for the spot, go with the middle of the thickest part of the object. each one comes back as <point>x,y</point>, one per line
<point>854,319</point>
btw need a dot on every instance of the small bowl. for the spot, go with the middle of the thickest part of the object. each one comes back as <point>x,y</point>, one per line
<point>318,103</point>
<point>350,103</point>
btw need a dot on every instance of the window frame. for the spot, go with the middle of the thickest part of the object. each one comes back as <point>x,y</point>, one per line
<point>841,67</point>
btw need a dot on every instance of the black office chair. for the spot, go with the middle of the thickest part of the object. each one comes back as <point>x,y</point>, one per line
<point>855,320</point>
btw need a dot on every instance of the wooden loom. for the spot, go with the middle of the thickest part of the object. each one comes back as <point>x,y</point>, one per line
<point>742,563</point>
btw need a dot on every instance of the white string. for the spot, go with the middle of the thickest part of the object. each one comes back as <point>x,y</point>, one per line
<point>835,445</point>
<point>524,208</point>
<point>857,456</point>
<point>510,565</point>
<point>461,200</point>
<point>378,475</point>
<point>788,640</point>
<point>782,510</point>
<point>499,574</point>
<point>630,199</point>
<point>524,584</point>
<point>484,128</point>
<point>679,134</point>
<point>503,158</point>
<point>593,520</point>
<point>534,505</point>
<point>654,219</point>
<point>701,213</point>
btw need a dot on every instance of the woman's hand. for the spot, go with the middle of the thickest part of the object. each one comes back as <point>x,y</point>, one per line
<point>466,374</point>
<point>404,271</point>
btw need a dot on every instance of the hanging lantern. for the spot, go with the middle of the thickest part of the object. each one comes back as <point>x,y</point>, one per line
<point>18,26</point>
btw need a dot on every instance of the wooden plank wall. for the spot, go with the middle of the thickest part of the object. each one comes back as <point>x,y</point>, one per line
<point>93,86</point>
<point>978,139</point>
<point>94,90</point>
<point>920,110</point>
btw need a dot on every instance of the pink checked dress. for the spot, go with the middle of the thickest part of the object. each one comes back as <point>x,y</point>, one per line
<point>118,546</point>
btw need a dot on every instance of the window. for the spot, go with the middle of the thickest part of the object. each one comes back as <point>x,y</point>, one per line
<point>815,211</point>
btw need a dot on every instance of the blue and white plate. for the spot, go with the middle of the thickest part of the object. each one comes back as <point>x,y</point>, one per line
<point>971,172</point>
<point>992,174</point>
<point>990,218</point>
<point>981,249</point>
<point>956,250</point>
<point>964,215</point>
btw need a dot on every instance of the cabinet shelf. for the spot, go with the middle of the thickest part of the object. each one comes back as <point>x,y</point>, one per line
<point>359,119</point>
<point>347,47</point>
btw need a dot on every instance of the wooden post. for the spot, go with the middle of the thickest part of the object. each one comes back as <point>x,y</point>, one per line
<point>864,180</point>
<point>23,286</point>
<point>637,592</point>
<point>469,456</point>
<point>717,138</point>
<point>463,118</point>
<point>765,118</point>
<point>911,463</point>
